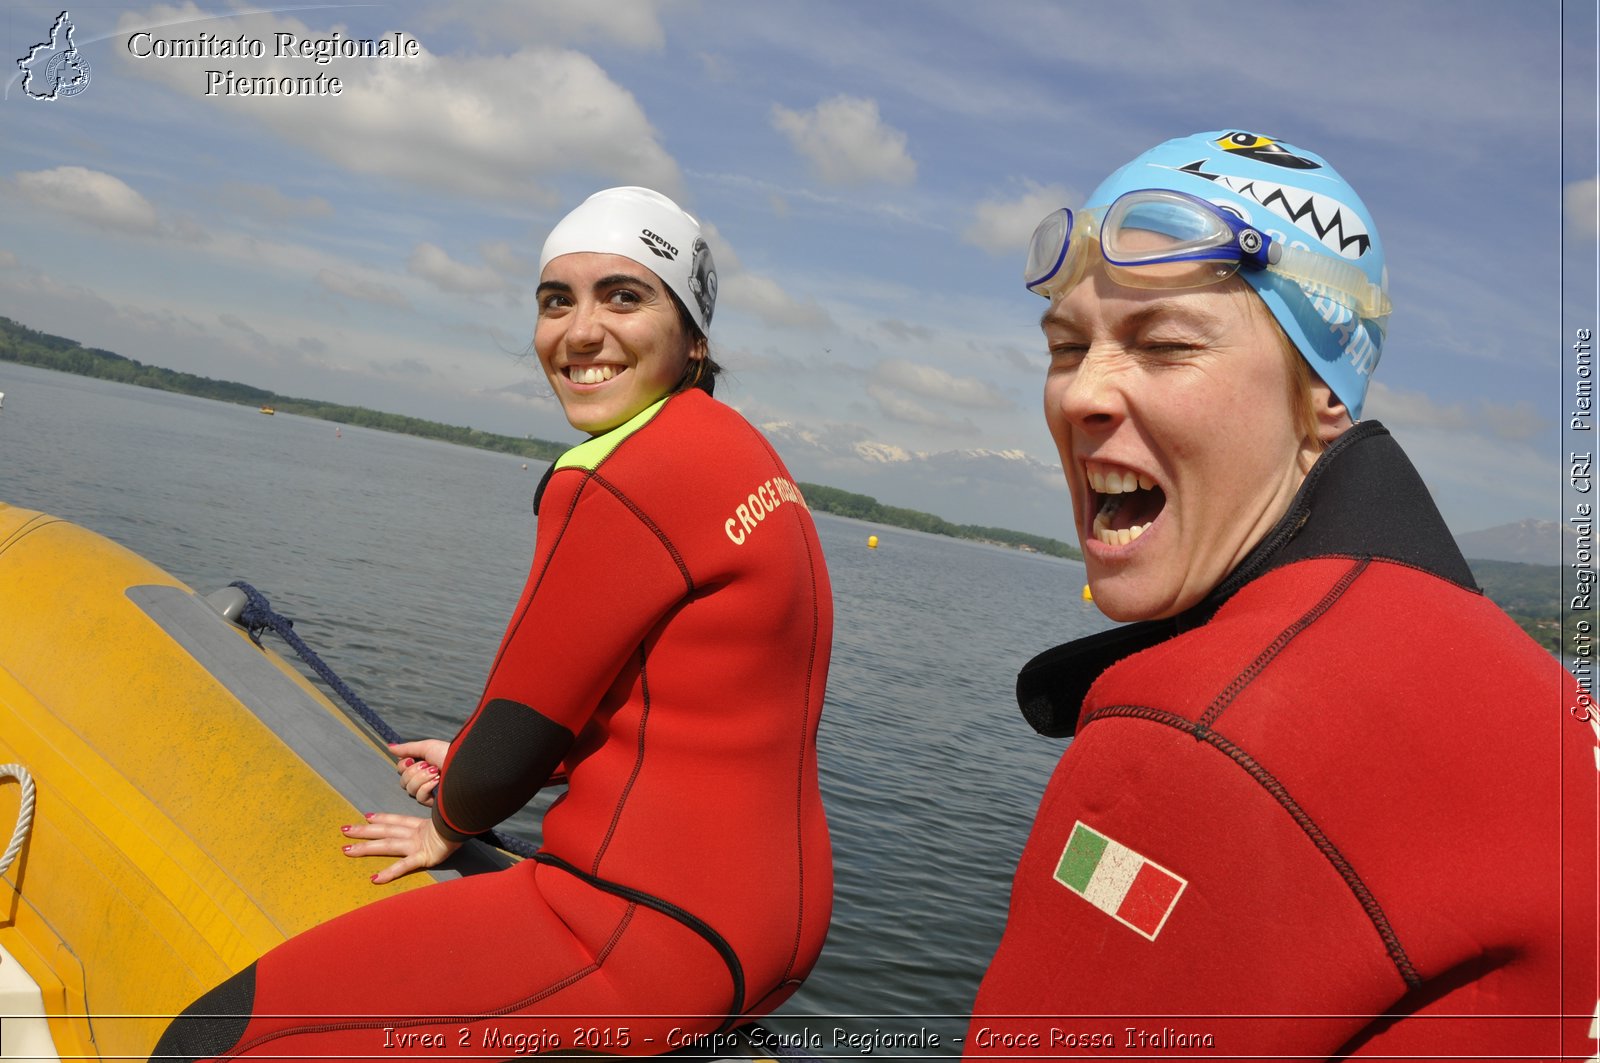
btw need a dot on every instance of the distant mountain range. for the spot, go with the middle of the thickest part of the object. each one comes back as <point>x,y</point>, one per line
<point>1531,542</point>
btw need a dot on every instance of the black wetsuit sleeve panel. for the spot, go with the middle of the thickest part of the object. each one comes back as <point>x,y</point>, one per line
<point>603,576</point>
<point>497,767</point>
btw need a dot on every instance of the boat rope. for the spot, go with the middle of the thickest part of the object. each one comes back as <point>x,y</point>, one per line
<point>259,616</point>
<point>19,834</point>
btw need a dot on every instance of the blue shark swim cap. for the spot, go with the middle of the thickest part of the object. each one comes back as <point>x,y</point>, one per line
<point>1295,197</point>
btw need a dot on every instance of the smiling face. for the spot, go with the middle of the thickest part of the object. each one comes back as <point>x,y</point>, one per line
<point>1173,415</point>
<point>609,337</point>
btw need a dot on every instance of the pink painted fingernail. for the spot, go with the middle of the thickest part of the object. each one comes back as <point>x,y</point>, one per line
<point>347,848</point>
<point>345,828</point>
<point>374,878</point>
<point>369,815</point>
<point>407,762</point>
<point>433,769</point>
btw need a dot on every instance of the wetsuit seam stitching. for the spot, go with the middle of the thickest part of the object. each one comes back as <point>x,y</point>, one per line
<point>800,775</point>
<point>561,532</point>
<point>513,628</point>
<point>1398,563</point>
<point>638,764</point>
<point>1237,686</point>
<point>655,529</point>
<point>1308,826</point>
<point>805,727</point>
<point>685,918</point>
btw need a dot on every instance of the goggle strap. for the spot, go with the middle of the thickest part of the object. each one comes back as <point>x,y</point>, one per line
<point>1340,281</point>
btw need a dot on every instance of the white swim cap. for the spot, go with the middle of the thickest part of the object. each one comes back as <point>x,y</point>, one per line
<point>649,228</point>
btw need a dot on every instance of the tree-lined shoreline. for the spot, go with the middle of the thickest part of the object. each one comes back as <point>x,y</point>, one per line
<point>26,346</point>
<point>1530,594</point>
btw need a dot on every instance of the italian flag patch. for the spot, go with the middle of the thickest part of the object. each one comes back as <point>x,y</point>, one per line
<point>1136,892</point>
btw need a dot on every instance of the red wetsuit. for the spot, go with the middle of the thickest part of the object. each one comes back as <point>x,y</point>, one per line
<point>669,652</point>
<point>1343,807</point>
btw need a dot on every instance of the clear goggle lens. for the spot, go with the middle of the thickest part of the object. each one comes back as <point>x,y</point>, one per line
<point>1164,239</point>
<point>1047,253</point>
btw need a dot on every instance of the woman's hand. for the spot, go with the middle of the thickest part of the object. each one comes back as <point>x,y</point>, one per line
<point>419,766</point>
<point>413,840</point>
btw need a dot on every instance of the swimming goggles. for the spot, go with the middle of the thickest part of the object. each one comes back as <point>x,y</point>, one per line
<point>1161,238</point>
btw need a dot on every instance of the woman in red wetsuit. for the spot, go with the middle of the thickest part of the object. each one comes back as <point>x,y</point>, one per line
<point>1323,799</point>
<point>668,657</point>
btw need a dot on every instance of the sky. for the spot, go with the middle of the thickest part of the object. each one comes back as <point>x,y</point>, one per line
<point>868,174</point>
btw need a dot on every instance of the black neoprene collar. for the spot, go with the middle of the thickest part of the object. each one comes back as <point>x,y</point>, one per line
<point>1362,499</point>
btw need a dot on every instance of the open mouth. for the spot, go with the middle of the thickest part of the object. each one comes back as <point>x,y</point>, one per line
<point>591,374</point>
<point>1126,502</point>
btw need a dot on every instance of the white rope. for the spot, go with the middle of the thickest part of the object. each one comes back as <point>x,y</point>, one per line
<point>24,813</point>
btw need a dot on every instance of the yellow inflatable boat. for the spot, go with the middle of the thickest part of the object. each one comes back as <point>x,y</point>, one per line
<point>188,786</point>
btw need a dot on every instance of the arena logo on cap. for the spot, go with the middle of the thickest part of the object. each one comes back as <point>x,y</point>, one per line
<point>658,246</point>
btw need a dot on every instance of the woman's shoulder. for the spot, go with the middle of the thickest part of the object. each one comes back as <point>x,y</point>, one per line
<point>695,406</point>
<point>695,430</point>
<point>688,450</point>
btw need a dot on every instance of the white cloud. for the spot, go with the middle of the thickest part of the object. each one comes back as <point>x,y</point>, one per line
<point>252,337</point>
<point>1516,422</point>
<point>1581,201</point>
<point>273,205</point>
<point>722,252</point>
<point>1484,462</point>
<point>783,198</point>
<point>411,367</point>
<point>897,406</point>
<point>1005,226</point>
<point>767,299</point>
<point>363,290</point>
<point>434,265</point>
<point>907,332</point>
<point>846,142</point>
<point>932,383</point>
<point>1458,116</point>
<point>89,196</point>
<point>47,300</point>
<point>630,23</point>
<point>1000,488</point>
<point>340,360</point>
<point>496,127</point>
<point>8,259</point>
<point>534,390</point>
<point>754,293</point>
<point>503,257</point>
<point>1481,481</point>
<point>196,339</point>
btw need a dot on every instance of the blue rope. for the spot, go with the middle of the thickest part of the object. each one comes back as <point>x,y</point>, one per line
<point>259,616</point>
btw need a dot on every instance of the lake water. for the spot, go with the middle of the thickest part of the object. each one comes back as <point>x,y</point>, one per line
<point>400,559</point>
